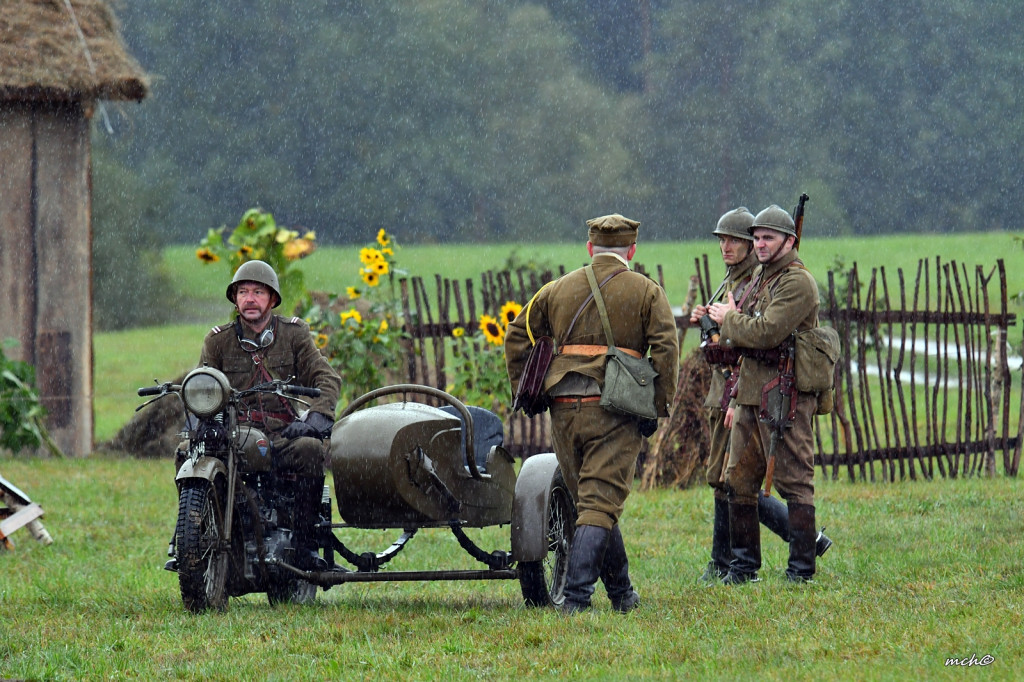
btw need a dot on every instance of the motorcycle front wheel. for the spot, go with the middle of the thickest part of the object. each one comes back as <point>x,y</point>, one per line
<point>202,560</point>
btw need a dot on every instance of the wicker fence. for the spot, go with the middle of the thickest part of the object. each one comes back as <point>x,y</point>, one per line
<point>923,385</point>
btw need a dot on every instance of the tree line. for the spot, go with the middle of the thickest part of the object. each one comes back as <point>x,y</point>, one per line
<point>507,120</point>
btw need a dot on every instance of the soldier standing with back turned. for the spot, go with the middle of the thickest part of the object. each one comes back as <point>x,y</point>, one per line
<point>597,449</point>
<point>781,299</point>
<point>737,247</point>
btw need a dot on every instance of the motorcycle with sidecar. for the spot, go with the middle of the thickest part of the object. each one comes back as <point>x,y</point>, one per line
<point>402,465</point>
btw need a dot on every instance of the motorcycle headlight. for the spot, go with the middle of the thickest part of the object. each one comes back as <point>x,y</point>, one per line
<point>205,391</point>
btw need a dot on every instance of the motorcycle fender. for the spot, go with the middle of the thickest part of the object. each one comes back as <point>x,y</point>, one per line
<point>530,507</point>
<point>207,468</point>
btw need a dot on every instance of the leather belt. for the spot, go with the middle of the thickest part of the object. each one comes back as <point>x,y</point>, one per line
<point>575,398</point>
<point>584,349</point>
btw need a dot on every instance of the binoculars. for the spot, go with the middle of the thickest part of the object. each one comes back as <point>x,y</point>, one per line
<point>709,329</point>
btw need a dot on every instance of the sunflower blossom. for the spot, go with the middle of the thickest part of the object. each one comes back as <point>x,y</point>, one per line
<point>509,311</point>
<point>351,314</point>
<point>207,256</point>
<point>382,237</point>
<point>492,330</point>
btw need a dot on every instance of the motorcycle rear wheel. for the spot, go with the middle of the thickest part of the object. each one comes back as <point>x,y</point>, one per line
<point>202,560</point>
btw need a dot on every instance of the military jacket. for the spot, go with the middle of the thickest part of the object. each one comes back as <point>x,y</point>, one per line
<point>638,312</point>
<point>784,300</point>
<point>736,280</point>
<point>292,354</point>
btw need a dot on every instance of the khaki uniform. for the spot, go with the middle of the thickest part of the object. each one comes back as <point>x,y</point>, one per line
<point>784,300</point>
<point>292,355</point>
<point>736,282</point>
<point>597,449</point>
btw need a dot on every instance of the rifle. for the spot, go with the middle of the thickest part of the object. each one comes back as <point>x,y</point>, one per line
<point>798,219</point>
<point>778,405</point>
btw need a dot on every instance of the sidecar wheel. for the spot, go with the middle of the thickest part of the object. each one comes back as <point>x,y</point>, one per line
<point>291,591</point>
<point>543,582</point>
<point>202,561</point>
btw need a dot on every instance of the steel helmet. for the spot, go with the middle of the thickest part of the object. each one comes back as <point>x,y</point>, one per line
<point>776,218</point>
<point>255,271</point>
<point>736,223</point>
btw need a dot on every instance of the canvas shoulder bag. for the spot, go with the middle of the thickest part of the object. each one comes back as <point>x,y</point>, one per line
<point>628,381</point>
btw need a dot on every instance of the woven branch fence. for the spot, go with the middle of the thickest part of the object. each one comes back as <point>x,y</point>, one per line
<point>923,386</point>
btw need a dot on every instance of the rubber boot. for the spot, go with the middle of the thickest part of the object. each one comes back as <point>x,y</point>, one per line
<point>308,494</point>
<point>745,539</point>
<point>721,552</point>
<point>586,558</point>
<point>615,574</point>
<point>802,543</point>
<point>774,515</point>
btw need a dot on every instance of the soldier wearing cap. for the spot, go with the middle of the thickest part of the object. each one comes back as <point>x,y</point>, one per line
<point>781,299</point>
<point>737,247</point>
<point>258,346</point>
<point>597,449</point>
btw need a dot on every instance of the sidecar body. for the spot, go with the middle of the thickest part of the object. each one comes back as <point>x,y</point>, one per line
<point>408,465</point>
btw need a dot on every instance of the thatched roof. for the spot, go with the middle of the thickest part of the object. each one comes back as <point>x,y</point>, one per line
<point>42,56</point>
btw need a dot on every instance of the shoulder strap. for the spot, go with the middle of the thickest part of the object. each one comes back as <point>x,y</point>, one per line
<point>595,290</point>
<point>593,280</point>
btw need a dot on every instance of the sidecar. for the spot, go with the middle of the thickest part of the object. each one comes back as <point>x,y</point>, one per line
<point>408,466</point>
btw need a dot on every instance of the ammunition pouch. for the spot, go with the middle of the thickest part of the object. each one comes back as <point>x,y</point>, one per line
<point>716,354</point>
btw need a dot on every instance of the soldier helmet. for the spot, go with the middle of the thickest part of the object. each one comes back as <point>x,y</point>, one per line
<point>736,223</point>
<point>775,218</point>
<point>255,271</point>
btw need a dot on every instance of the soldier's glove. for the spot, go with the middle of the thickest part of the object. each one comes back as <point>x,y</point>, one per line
<point>647,427</point>
<point>315,425</point>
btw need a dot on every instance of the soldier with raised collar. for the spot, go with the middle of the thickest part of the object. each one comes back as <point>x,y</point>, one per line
<point>737,247</point>
<point>597,449</point>
<point>782,299</point>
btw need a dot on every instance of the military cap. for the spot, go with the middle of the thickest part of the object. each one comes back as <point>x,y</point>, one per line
<point>612,230</point>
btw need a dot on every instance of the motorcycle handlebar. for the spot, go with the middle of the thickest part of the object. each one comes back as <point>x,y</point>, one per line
<point>301,390</point>
<point>150,390</point>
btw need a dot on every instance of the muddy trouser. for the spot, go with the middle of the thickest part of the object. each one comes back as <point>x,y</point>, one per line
<point>718,451</point>
<point>596,451</point>
<point>794,455</point>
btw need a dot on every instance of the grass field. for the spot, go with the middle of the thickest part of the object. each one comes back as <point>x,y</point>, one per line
<point>920,573</point>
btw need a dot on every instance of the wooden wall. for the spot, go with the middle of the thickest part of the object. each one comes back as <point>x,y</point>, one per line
<point>46,259</point>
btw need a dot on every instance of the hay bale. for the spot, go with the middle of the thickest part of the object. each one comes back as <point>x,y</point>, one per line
<point>153,432</point>
<point>681,445</point>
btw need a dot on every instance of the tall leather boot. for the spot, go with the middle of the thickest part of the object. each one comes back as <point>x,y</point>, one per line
<point>586,558</point>
<point>721,552</point>
<point>802,543</point>
<point>774,516</point>
<point>615,574</point>
<point>308,493</point>
<point>745,539</point>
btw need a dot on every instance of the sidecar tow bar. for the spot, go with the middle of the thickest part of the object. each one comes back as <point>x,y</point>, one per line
<point>327,578</point>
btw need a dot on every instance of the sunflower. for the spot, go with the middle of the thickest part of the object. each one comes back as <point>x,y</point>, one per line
<point>492,330</point>
<point>509,312</point>
<point>458,332</point>
<point>244,250</point>
<point>370,277</point>
<point>321,340</point>
<point>380,267</point>
<point>370,256</point>
<point>297,248</point>
<point>382,237</point>
<point>207,256</point>
<point>383,327</point>
<point>351,314</point>
<point>387,251</point>
<point>353,293</point>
